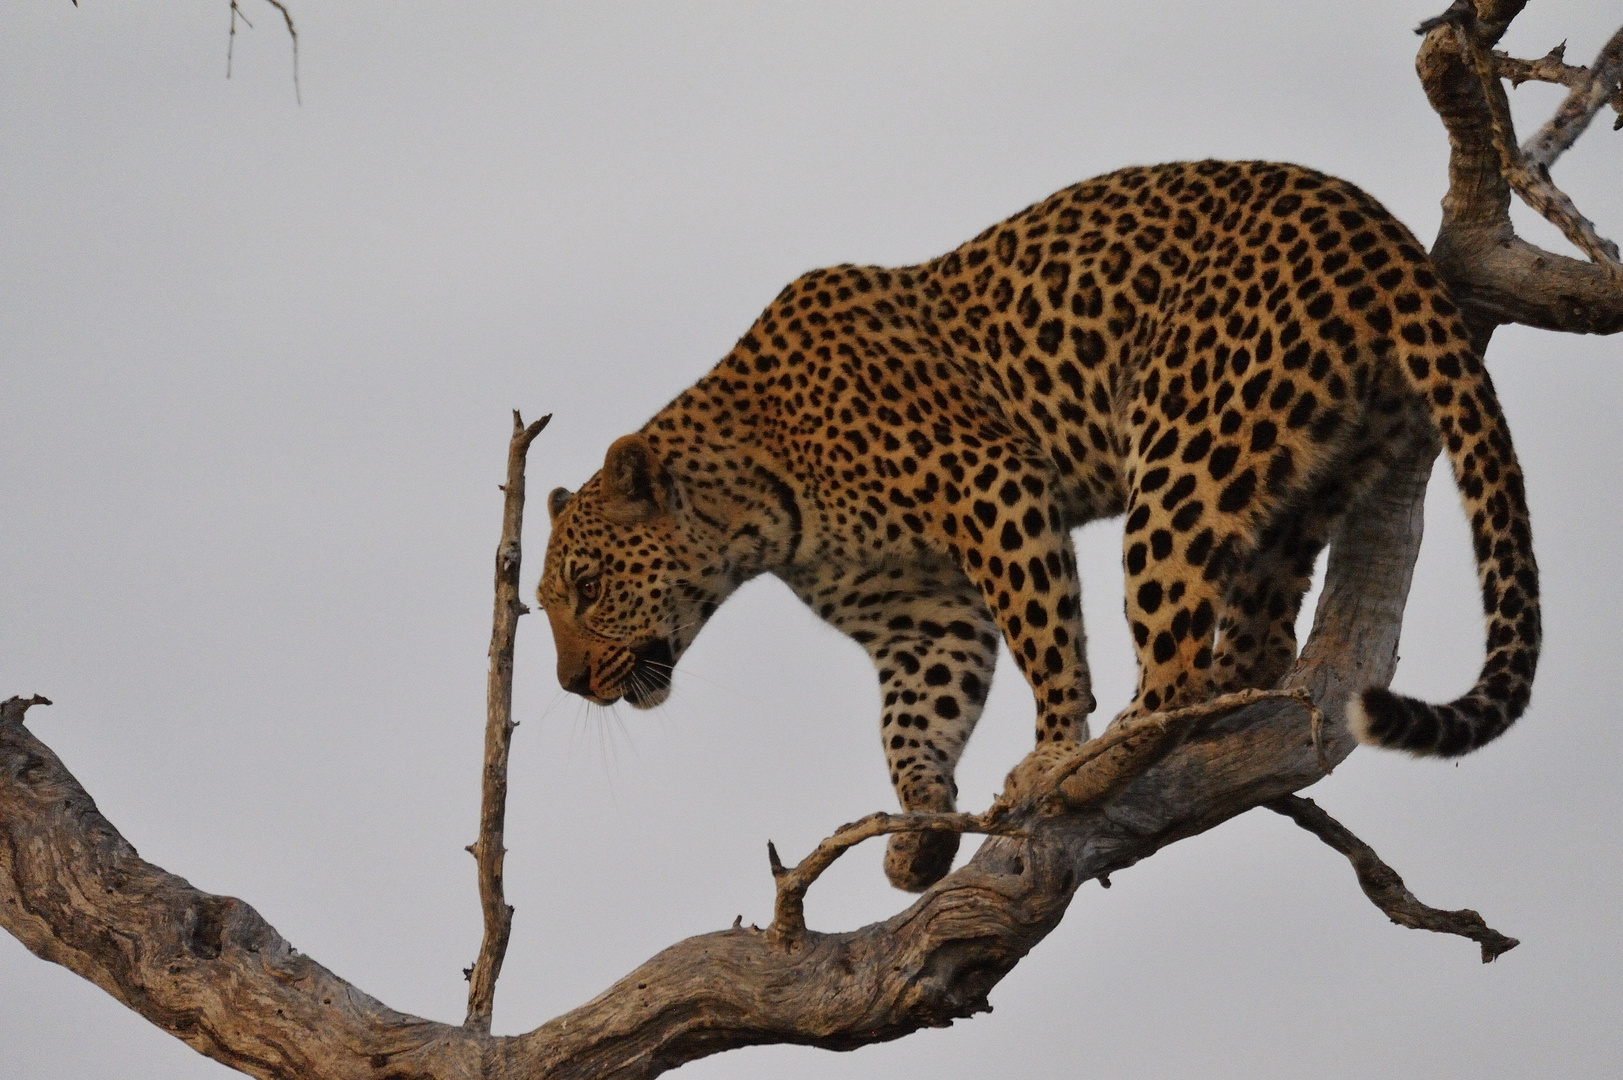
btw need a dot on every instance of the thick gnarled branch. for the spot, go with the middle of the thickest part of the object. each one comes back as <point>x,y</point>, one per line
<point>1495,275</point>
<point>209,970</point>
<point>1041,785</point>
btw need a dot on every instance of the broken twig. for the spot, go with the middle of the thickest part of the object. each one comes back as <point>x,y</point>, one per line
<point>1385,888</point>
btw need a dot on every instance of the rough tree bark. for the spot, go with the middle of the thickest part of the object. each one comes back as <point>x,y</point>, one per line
<point>211,971</point>
<point>489,851</point>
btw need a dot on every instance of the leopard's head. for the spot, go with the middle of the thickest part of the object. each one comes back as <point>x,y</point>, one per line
<point>631,576</point>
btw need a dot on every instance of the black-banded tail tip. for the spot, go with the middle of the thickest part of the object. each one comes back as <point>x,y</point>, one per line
<point>1382,718</point>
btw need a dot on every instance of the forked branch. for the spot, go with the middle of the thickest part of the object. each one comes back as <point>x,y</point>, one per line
<point>789,908</point>
<point>1041,785</point>
<point>1494,274</point>
<point>1589,85</point>
<point>231,38</point>
<point>1528,173</point>
<point>211,971</point>
<point>1599,84</point>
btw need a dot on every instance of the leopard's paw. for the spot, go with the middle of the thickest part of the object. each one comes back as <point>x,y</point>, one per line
<point>916,860</point>
<point>1031,776</point>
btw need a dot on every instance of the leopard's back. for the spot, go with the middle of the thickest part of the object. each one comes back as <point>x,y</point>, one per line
<point>1231,352</point>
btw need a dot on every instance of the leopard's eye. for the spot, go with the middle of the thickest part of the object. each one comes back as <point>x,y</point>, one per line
<point>589,588</point>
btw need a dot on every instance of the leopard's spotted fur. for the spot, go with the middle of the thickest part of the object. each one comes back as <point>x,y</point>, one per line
<point>1228,353</point>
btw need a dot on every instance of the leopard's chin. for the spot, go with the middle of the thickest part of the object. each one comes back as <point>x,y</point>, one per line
<point>647,698</point>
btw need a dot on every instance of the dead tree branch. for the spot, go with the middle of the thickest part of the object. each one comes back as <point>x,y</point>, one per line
<point>1040,785</point>
<point>1588,84</point>
<point>1529,177</point>
<point>1385,887</point>
<point>1591,88</point>
<point>789,909</point>
<point>1550,68</point>
<point>211,971</point>
<point>12,709</point>
<point>231,39</point>
<point>490,849</point>
<point>1495,275</point>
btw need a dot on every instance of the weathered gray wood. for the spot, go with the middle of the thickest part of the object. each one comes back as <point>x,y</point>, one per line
<point>490,851</point>
<point>1496,276</point>
<point>1385,887</point>
<point>207,969</point>
<point>211,971</point>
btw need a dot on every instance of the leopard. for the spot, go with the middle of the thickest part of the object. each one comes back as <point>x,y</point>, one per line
<point>1231,355</point>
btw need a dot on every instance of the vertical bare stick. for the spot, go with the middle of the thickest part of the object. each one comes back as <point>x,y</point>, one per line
<point>489,850</point>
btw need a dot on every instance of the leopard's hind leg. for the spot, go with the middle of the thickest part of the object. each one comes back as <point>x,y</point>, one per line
<point>1256,624</point>
<point>1256,638</point>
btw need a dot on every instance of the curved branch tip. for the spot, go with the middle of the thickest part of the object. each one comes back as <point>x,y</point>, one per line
<point>12,710</point>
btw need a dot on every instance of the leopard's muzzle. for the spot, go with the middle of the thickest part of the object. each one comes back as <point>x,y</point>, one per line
<point>649,681</point>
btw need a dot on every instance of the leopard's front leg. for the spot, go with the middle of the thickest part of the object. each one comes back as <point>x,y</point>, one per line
<point>1012,544</point>
<point>934,645</point>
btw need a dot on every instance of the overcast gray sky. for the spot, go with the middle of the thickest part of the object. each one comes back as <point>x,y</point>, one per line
<point>256,362</point>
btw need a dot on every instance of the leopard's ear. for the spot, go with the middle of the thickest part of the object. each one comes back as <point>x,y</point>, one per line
<point>636,486</point>
<point>556,502</point>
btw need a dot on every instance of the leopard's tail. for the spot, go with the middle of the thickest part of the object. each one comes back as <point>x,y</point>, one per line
<point>1460,397</point>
